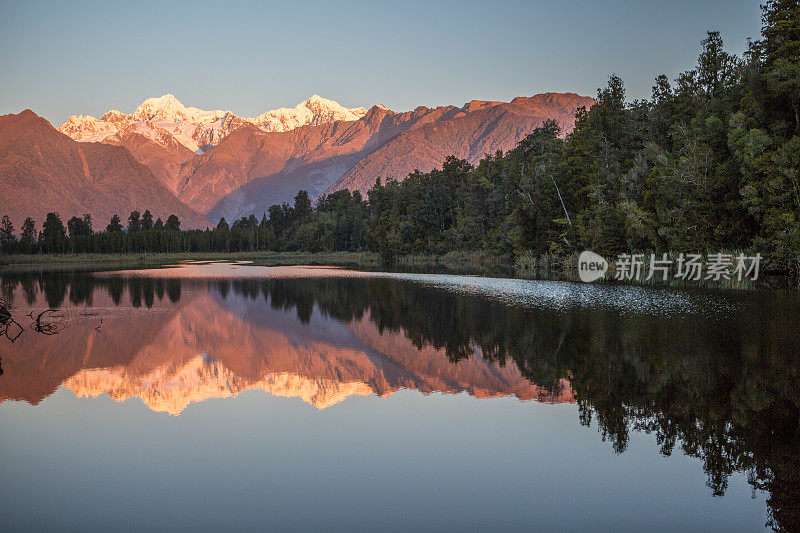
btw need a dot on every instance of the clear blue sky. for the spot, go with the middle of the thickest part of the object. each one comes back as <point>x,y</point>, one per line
<point>63,58</point>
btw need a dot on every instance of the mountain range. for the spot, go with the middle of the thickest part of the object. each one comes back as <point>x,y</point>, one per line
<point>203,165</point>
<point>43,170</point>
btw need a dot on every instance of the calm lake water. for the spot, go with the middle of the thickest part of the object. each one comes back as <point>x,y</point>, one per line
<point>230,396</point>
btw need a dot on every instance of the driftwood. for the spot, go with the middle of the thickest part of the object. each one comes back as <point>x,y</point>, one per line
<point>48,322</point>
<point>8,326</point>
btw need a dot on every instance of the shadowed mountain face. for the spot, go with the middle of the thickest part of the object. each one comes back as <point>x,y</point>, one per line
<point>714,374</point>
<point>42,170</point>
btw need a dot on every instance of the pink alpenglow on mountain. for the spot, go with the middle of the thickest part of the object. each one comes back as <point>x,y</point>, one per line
<point>200,130</point>
<point>210,164</point>
<point>43,170</point>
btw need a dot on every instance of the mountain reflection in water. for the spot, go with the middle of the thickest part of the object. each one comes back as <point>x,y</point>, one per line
<point>715,374</point>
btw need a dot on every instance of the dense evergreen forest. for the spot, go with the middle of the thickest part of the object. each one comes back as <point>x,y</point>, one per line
<point>710,162</point>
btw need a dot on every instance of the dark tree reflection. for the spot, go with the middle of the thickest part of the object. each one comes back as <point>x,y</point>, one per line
<point>174,290</point>
<point>723,387</point>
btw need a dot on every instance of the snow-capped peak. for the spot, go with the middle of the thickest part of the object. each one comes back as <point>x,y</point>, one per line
<point>86,128</point>
<point>318,102</point>
<point>115,116</point>
<point>198,129</point>
<point>169,108</point>
<point>313,110</point>
<point>320,105</point>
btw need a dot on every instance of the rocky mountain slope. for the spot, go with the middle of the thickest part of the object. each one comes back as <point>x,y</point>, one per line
<point>164,134</point>
<point>252,169</point>
<point>480,128</point>
<point>154,147</point>
<point>219,164</point>
<point>43,170</point>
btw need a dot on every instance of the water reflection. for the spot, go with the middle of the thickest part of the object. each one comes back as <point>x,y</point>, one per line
<point>712,373</point>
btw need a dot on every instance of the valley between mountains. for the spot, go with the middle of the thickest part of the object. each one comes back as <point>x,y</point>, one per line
<point>203,165</point>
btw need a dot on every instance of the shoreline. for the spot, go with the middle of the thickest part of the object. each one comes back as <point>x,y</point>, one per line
<point>461,263</point>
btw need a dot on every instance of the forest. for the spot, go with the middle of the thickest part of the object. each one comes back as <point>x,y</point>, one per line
<point>710,162</point>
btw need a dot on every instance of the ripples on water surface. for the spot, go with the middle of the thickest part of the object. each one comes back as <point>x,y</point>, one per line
<point>393,401</point>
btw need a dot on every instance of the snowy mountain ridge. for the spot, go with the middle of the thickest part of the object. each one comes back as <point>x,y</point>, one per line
<point>199,130</point>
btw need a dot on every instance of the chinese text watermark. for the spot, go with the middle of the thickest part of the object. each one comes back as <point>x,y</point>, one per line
<point>685,267</point>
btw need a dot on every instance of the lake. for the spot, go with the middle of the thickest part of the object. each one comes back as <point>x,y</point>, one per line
<point>214,396</point>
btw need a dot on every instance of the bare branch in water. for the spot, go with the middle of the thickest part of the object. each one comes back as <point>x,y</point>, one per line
<point>8,326</point>
<point>49,322</point>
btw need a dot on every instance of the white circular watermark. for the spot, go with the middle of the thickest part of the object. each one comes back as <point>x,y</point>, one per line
<point>591,266</point>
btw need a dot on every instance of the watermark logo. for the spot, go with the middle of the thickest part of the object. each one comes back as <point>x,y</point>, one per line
<point>591,266</point>
<point>685,267</point>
